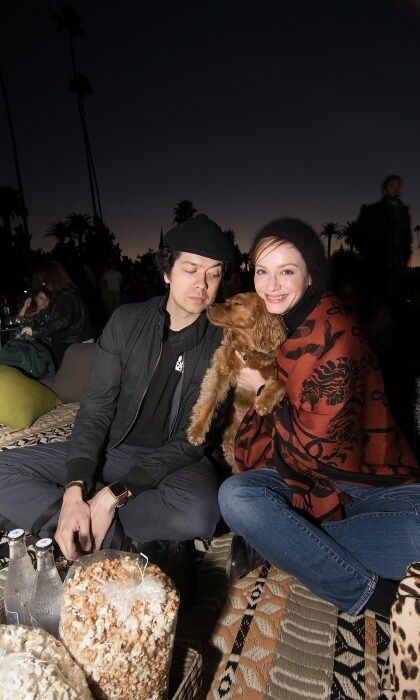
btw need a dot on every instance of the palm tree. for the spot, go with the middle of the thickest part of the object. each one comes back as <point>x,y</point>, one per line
<point>59,230</point>
<point>81,85</point>
<point>329,231</point>
<point>350,233</point>
<point>15,157</point>
<point>11,205</point>
<point>68,20</point>
<point>229,233</point>
<point>417,230</point>
<point>100,247</point>
<point>183,210</point>
<point>78,226</point>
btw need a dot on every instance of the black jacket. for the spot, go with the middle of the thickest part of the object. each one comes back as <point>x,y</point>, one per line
<point>126,356</point>
<point>67,320</point>
<point>384,235</point>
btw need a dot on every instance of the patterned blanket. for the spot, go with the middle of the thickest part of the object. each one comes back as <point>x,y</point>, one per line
<point>267,636</point>
<point>54,426</point>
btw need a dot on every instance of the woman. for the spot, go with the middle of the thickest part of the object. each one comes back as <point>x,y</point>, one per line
<point>35,307</point>
<point>68,322</point>
<point>330,499</point>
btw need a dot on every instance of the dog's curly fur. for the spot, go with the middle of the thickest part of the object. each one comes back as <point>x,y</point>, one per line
<point>250,329</point>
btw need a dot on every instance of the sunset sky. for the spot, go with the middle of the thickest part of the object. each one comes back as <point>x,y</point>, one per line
<point>251,109</point>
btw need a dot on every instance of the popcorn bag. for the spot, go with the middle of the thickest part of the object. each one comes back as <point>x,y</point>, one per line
<point>118,620</point>
<point>33,664</point>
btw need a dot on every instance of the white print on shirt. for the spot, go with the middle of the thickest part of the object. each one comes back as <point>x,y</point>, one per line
<point>179,364</point>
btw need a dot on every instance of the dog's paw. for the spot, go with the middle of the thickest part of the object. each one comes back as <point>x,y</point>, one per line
<point>271,395</point>
<point>261,406</point>
<point>196,435</point>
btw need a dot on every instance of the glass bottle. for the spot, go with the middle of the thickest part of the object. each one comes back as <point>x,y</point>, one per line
<point>46,600</point>
<point>20,580</point>
<point>5,312</point>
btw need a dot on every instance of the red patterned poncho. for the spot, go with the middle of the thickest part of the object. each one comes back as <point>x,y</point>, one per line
<point>334,424</point>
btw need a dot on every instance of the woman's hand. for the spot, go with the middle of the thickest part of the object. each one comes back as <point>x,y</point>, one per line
<point>27,330</point>
<point>248,378</point>
<point>25,306</point>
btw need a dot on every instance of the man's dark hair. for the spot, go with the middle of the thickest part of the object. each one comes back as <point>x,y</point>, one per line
<point>388,180</point>
<point>165,258</point>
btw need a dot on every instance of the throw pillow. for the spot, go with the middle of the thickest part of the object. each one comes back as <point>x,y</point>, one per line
<point>70,381</point>
<point>23,400</point>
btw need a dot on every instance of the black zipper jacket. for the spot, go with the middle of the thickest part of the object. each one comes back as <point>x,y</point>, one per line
<point>127,354</point>
<point>67,320</point>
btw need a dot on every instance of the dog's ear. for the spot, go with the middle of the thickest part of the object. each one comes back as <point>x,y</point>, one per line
<point>228,337</point>
<point>269,331</point>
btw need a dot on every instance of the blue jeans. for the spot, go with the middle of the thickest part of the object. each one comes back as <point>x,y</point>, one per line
<point>339,561</point>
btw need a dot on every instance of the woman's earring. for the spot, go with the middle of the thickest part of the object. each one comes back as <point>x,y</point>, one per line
<point>311,288</point>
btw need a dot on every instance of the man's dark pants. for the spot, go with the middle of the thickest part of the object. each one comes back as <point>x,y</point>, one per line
<point>183,506</point>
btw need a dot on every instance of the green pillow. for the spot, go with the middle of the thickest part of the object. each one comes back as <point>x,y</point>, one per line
<point>23,400</point>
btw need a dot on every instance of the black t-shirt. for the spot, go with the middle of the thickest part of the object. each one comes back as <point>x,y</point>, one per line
<point>151,428</point>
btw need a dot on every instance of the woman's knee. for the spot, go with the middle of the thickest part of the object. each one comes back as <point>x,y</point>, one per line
<point>230,493</point>
<point>240,502</point>
<point>409,533</point>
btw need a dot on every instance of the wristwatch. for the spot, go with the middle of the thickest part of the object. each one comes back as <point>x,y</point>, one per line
<point>120,492</point>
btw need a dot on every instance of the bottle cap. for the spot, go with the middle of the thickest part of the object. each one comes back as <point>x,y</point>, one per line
<point>16,534</point>
<point>45,543</point>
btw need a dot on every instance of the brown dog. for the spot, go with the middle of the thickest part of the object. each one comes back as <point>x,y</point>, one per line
<point>249,328</point>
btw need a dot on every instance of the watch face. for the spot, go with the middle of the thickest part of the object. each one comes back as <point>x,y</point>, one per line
<point>118,489</point>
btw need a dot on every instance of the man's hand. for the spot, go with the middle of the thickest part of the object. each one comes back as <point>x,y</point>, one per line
<point>102,512</point>
<point>73,534</point>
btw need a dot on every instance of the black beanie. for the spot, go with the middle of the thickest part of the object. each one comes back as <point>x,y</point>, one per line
<point>201,236</point>
<point>306,240</point>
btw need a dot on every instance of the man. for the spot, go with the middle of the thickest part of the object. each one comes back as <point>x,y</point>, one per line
<point>111,282</point>
<point>384,238</point>
<point>128,446</point>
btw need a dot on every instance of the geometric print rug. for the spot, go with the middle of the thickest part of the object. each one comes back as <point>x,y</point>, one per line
<point>269,637</point>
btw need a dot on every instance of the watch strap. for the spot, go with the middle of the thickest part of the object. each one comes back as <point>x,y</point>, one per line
<point>77,482</point>
<point>122,498</point>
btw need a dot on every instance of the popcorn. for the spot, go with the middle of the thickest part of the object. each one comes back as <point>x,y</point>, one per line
<point>118,622</point>
<point>35,666</point>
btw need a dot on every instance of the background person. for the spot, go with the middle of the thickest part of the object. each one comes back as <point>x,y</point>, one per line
<point>68,319</point>
<point>328,496</point>
<point>38,301</point>
<point>384,239</point>
<point>111,282</point>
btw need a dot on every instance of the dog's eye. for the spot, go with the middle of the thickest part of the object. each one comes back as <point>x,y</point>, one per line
<point>237,303</point>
